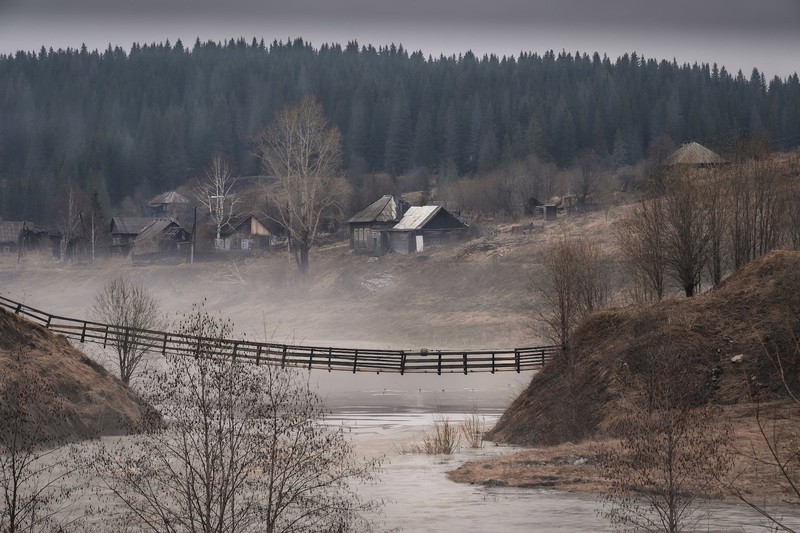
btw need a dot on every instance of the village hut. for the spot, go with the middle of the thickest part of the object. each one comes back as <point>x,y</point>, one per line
<point>162,235</point>
<point>124,231</point>
<point>246,232</point>
<point>424,226</point>
<point>168,204</point>
<point>694,155</point>
<point>369,227</point>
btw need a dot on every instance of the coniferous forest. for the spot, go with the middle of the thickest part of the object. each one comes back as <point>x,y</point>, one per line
<point>122,124</point>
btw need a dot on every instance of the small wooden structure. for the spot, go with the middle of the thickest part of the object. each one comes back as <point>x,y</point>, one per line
<point>550,211</point>
<point>424,226</point>
<point>246,233</point>
<point>162,235</point>
<point>168,204</point>
<point>694,155</point>
<point>124,231</point>
<point>369,227</point>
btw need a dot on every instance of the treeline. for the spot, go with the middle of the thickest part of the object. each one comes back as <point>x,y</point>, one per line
<point>140,122</point>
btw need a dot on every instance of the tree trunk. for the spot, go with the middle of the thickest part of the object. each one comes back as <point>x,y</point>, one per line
<point>301,256</point>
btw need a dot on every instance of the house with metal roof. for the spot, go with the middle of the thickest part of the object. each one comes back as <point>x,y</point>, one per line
<point>369,227</point>
<point>424,226</point>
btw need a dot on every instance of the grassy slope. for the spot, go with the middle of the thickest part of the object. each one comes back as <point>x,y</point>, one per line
<point>758,303</point>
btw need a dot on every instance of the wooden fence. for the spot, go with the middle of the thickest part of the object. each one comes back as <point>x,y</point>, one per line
<point>325,358</point>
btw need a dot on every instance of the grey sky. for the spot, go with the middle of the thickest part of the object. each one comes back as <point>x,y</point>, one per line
<point>735,33</point>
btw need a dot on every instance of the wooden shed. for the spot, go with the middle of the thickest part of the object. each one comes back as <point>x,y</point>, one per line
<point>425,226</point>
<point>369,227</point>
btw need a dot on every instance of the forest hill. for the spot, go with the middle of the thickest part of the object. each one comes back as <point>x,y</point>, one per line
<point>136,123</point>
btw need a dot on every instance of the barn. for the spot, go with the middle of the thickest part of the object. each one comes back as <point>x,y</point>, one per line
<point>246,233</point>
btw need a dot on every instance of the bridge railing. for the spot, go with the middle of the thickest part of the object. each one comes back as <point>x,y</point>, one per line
<point>311,357</point>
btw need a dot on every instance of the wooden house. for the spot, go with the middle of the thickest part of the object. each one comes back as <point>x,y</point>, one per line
<point>369,227</point>
<point>124,231</point>
<point>246,233</point>
<point>169,204</point>
<point>424,226</point>
<point>162,235</point>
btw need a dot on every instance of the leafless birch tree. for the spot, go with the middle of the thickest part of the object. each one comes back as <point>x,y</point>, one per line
<point>303,154</point>
<point>215,192</point>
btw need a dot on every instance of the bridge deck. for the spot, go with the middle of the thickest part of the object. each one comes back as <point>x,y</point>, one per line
<point>325,358</point>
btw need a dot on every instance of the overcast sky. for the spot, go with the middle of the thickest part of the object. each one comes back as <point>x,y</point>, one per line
<point>740,34</point>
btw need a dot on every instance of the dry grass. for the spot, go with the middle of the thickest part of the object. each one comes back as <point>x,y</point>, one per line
<point>444,439</point>
<point>578,467</point>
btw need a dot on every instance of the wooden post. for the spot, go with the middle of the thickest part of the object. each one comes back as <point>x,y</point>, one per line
<point>18,309</point>
<point>402,362</point>
<point>465,363</point>
<point>516,360</point>
<point>235,347</point>
<point>492,362</point>
<point>49,318</point>
<point>83,333</point>
<point>330,354</point>
<point>105,337</point>
<point>311,359</point>
<point>258,355</point>
<point>355,361</point>
<point>283,358</point>
<point>439,369</point>
<point>164,347</point>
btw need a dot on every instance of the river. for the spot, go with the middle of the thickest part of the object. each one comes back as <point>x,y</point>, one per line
<point>422,499</point>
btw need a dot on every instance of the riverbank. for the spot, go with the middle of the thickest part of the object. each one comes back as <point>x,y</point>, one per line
<point>578,467</point>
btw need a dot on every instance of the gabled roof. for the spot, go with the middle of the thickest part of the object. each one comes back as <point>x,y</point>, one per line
<point>159,229</point>
<point>693,154</point>
<point>10,230</point>
<point>169,197</point>
<point>387,208</point>
<point>416,217</point>
<point>129,225</point>
<point>236,222</point>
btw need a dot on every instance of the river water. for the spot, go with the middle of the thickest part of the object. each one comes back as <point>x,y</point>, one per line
<point>421,498</point>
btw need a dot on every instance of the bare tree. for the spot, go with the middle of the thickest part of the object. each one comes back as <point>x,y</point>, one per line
<point>303,152</point>
<point>671,453</point>
<point>215,192</point>
<point>127,305</point>
<point>587,171</point>
<point>573,284</point>
<point>93,223</point>
<point>686,237</point>
<point>68,218</point>
<point>778,455</point>
<point>245,449</point>
<point>641,236</point>
<point>32,497</point>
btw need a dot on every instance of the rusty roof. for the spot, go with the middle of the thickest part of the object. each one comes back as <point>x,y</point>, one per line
<point>693,154</point>
<point>387,208</point>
